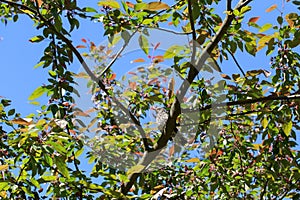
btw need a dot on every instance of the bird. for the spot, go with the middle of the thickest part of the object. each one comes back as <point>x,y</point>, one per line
<point>161,118</point>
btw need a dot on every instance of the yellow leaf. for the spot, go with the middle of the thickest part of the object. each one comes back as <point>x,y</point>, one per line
<point>3,167</point>
<point>154,6</point>
<point>109,3</point>
<point>264,122</point>
<point>158,187</point>
<point>287,128</point>
<point>193,160</point>
<point>3,194</point>
<point>257,146</point>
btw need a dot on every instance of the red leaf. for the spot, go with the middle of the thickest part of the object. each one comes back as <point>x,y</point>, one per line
<point>132,73</point>
<point>271,8</point>
<point>156,46</point>
<point>83,40</point>
<point>73,132</point>
<point>138,60</point>
<point>113,76</point>
<point>80,46</point>
<point>93,46</point>
<point>253,19</point>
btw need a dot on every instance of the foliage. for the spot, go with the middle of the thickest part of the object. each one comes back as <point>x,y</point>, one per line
<point>233,138</point>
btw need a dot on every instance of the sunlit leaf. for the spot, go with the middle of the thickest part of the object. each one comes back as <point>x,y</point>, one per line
<point>109,3</point>
<point>22,121</point>
<point>154,6</point>
<point>264,122</point>
<point>287,127</point>
<point>265,27</point>
<point>39,64</point>
<point>37,93</point>
<point>36,38</point>
<point>3,167</point>
<point>193,160</point>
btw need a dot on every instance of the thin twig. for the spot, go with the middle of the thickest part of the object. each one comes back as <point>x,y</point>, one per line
<point>236,62</point>
<point>117,55</point>
<point>170,31</point>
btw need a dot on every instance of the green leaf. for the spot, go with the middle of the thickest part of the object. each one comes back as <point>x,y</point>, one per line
<point>79,152</point>
<point>143,42</point>
<point>89,9</point>
<point>37,93</point>
<point>140,6</point>
<point>125,35</point>
<point>49,178</point>
<point>36,38</point>
<point>39,64</point>
<point>62,167</point>
<point>245,9</point>
<point>287,128</point>
<point>58,147</point>
<point>250,48</point>
<point>265,27</point>
<point>3,186</point>
<point>48,159</point>
<point>109,3</point>
<point>135,169</point>
<point>35,182</point>
<point>173,51</point>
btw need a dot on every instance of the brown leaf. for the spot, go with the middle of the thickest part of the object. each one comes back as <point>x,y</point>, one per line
<point>225,76</point>
<point>154,6</point>
<point>253,19</point>
<point>129,4</point>
<point>21,121</point>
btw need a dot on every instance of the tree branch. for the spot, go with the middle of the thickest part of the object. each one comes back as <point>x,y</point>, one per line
<point>194,36</point>
<point>175,108</point>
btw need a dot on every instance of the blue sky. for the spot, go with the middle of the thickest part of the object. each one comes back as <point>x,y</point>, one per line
<point>18,55</point>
